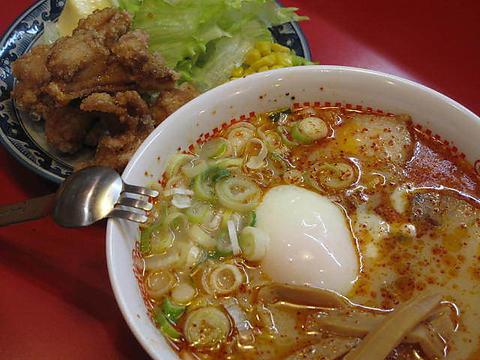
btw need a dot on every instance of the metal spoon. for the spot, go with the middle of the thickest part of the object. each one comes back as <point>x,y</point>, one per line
<point>84,198</point>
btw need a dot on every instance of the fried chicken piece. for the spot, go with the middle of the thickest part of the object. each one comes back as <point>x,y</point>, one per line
<point>69,55</point>
<point>98,77</point>
<point>121,71</point>
<point>31,73</point>
<point>171,100</point>
<point>66,128</point>
<point>147,70</point>
<point>155,76</point>
<point>109,22</point>
<point>128,127</point>
<point>132,49</point>
<point>33,66</point>
<point>104,67</point>
<point>128,107</point>
<point>116,151</point>
<point>98,57</point>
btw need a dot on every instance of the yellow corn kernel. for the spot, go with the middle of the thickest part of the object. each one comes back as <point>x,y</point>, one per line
<point>263,68</point>
<point>265,47</point>
<point>276,67</point>
<point>268,60</point>
<point>280,48</point>
<point>252,56</point>
<point>249,71</point>
<point>283,59</point>
<point>234,78</point>
<point>237,72</point>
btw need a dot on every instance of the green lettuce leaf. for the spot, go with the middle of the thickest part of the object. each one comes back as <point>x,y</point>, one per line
<point>204,40</point>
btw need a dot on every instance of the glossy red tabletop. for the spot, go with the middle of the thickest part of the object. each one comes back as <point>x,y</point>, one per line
<point>55,297</point>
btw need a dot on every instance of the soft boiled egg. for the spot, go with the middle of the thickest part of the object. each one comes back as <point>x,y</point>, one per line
<point>310,240</point>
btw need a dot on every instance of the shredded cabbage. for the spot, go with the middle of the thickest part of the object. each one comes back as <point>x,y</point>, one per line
<point>204,40</point>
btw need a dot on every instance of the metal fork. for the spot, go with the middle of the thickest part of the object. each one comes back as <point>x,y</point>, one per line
<point>84,198</point>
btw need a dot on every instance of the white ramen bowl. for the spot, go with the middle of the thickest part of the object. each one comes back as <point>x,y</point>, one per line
<point>259,93</point>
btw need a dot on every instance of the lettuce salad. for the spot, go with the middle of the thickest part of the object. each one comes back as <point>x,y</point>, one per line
<point>205,40</point>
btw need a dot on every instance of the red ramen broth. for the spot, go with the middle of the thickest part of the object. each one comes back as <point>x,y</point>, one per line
<point>409,202</point>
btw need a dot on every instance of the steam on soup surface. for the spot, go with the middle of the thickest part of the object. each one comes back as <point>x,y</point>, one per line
<point>374,216</point>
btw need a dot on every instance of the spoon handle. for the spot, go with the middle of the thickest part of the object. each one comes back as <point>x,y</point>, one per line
<point>31,209</point>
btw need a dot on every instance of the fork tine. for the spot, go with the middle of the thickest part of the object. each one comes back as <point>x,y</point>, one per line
<point>140,190</point>
<point>128,215</point>
<point>135,203</point>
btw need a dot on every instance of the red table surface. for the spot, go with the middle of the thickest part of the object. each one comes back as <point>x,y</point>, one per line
<point>56,301</point>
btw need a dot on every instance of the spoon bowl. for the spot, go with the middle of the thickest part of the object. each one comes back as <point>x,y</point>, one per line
<point>87,196</point>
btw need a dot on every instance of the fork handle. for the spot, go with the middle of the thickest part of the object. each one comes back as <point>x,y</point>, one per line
<point>31,209</point>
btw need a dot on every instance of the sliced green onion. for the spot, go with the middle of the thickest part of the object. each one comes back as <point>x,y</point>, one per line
<point>206,327</point>
<point>254,243</point>
<point>243,124</point>
<point>293,176</point>
<point>279,161</point>
<point>144,243</point>
<point>146,235</point>
<point>309,129</point>
<point>237,219</point>
<point>283,134</point>
<point>224,245</point>
<point>216,255</point>
<point>251,218</point>
<point>194,256</point>
<point>228,163</point>
<point>238,193</point>
<point>159,283</point>
<point>256,162</point>
<point>161,240</point>
<point>232,234</point>
<point>200,237</point>
<point>335,175</point>
<point>190,255</point>
<point>172,311</point>
<point>198,212</point>
<point>298,136</point>
<point>175,162</point>
<point>177,221</point>
<point>227,214</point>
<point>218,174</point>
<point>192,170</point>
<point>177,191</point>
<point>183,293</point>
<point>238,138</point>
<point>313,183</point>
<point>224,279</point>
<point>203,183</point>
<point>215,148</point>
<point>273,139</point>
<point>165,326</point>
<point>162,261</point>
<point>181,201</point>
<point>203,188</point>
<point>213,222</point>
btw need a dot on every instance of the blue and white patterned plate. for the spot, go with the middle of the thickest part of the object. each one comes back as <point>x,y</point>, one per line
<point>24,137</point>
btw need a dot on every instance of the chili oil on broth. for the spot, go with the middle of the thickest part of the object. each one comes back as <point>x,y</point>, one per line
<point>409,204</point>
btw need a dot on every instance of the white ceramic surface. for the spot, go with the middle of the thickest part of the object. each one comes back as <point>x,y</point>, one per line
<point>265,92</point>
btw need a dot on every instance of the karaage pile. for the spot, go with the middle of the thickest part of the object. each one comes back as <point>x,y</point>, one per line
<point>100,87</point>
